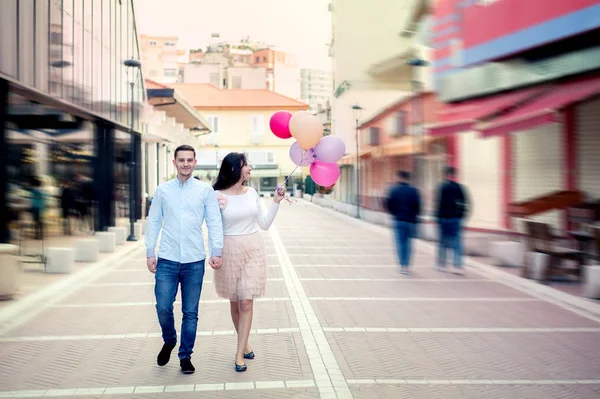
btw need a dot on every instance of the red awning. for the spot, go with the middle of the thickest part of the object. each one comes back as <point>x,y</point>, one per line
<point>544,109</point>
<point>455,118</point>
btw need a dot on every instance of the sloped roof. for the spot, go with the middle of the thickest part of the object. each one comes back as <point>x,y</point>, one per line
<point>207,96</point>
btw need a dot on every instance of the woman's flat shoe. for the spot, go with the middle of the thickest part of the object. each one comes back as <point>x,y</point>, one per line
<point>249,355</point>
<point>240,367</point>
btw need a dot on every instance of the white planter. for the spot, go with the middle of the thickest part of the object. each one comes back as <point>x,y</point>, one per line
<point>591,278</point>
<point>507,253</point>
<point>10,271</point>
<point>107,241</point>
<point>87,250</point>
<point>59,260</point>
<point>120,234</point>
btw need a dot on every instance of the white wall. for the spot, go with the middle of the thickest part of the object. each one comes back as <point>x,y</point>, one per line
<point>201,73</point>
<point>286,81</point>
<point>364,33</point>
<point>251,78</point>
<point>480,171</point>
<point>538,167</point>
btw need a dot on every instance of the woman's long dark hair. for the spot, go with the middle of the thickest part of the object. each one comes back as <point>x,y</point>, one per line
<point>231,170</point>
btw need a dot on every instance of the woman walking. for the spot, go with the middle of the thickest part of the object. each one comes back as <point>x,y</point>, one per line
<point>243,274</point>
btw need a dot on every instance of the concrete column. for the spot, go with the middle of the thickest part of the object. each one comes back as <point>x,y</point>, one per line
<point>41,151</point>
<point>162,163</point>
<point>152,168</point>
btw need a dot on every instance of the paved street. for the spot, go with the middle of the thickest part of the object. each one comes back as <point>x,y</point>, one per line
<point>338,321</point>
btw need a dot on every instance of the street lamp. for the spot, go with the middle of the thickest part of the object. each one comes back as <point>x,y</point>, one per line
<point>133,71</point>
<point>418,130</point>
<point>217,159</point>
<point>356,111</point>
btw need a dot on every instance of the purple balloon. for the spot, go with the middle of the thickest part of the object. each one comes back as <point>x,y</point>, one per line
<point>301,157</point>
<point>323,173</point>
<point>330,149</point>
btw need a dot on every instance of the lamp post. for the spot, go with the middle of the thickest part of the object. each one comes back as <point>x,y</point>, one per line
<point>216,160</point>
<point>133,70</point>
<point>356,111</point>
<point>418,129</point>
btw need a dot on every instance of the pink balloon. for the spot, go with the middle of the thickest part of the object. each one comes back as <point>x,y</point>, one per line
<point>301,157</point>
<point>324,173</point>
<point>330,149</point>
<point>280,124</point>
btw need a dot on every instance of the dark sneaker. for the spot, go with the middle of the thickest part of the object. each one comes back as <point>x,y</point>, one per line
<point>165,354</point>
<point>186,366</point>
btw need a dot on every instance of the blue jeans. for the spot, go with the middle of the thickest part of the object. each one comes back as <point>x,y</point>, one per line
<point>168,277</point>
<point>404,232</point>
<point>450,237</point>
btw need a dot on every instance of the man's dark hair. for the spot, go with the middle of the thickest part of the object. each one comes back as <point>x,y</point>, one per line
<point>450,171</point>
<point>404,174</point>
<point>184,147</point>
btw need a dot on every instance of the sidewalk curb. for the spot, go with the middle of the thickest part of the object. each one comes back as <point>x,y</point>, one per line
<point>576,304</point>
<point>24,309</point>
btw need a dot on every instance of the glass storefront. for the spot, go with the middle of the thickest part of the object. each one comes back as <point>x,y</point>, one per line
<point>71,50</point>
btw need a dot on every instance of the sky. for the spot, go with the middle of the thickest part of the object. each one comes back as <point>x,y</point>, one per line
<point>302,27</point>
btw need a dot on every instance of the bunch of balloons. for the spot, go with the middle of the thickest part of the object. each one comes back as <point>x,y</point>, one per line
<point>310,148</point>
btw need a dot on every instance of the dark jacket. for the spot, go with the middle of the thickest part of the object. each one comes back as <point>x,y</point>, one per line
<point>67,198</point>
<point>452,201</point>
<point>404,203</point>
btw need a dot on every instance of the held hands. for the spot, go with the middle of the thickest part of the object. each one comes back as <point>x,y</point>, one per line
<point>279,195</point>
<point>215,262</point>
<point>151,264</point>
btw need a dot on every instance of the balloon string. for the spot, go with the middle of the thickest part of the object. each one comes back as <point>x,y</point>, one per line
<point>282,185</point>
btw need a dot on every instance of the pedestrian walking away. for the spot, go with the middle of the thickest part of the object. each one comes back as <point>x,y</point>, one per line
<point>453,206</point>
<point>404,204</point>
<point>179,207</point>
<point>243,274</point>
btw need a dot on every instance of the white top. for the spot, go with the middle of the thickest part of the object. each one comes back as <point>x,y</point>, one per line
<point>243,214</point>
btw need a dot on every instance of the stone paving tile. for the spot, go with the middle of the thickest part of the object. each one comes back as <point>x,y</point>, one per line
<point>295,393</point>
<point>124,274</point>
<point>475,392</point>
<point>417,289</point>
<point>382,259</point>
<point>143,319</point>
<point>143,293</point>
<point>379,272</point>
<point>467,356</point>
<point>334,249</point>
<point>132,362</point>
<point>446,314</point>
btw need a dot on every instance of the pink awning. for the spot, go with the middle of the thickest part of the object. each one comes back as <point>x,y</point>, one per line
<point>463,117</point>
<point>544,109</point>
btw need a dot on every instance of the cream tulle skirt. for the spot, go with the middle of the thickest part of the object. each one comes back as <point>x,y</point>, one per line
<point>243,274</point>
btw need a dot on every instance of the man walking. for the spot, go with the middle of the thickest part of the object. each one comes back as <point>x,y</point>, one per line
<point>452,207</point>
<point>404,204</point>
<point>179,207</point>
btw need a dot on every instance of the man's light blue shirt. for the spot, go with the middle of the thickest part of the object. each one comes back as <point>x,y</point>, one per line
<point>180,209</point>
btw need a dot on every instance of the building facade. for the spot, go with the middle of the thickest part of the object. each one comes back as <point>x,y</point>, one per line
<point>161,60</point>
<point>520,96</point>
<point>239,122</point>
<point>68,111</point>
<point>380,77</point>
<point>316,88</point>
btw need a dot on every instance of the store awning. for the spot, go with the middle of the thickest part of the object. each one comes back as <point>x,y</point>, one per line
<point>456,118</point>
<point>154,138</point>
<point>544,109</point>
<point>407,145</point>
<point>175,106</point>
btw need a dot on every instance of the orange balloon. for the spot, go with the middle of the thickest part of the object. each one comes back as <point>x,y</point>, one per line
<point>295,121</point>
<point>310,132</point>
